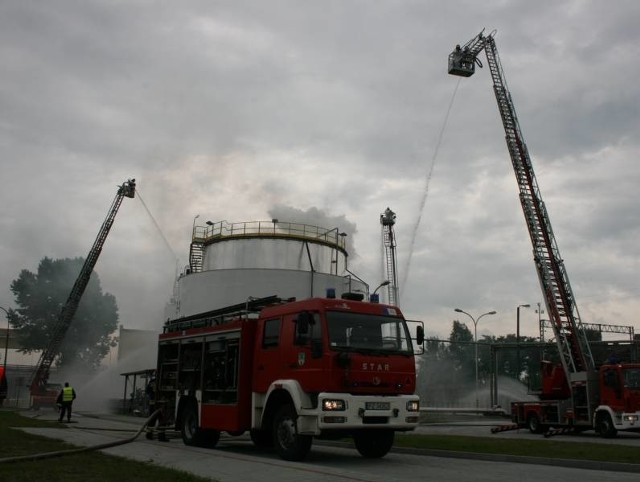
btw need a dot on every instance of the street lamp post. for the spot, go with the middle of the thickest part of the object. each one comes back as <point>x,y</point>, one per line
<point>374,294</point>
<point>518,338</point>
<point>475,338</point>
<point>6,342</point>
<point>540,311</point>
<point>193,228</point>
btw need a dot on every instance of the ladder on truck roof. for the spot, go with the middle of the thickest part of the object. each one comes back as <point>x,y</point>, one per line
<point>221,316</point>
<point>570,336</point>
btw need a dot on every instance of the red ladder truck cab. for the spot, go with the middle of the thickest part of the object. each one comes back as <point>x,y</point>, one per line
<point>619,407</point>
<point>288,371</point>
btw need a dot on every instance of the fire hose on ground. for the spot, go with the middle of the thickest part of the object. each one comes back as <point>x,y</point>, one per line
<point>61,453</point>
<point>505,428</point>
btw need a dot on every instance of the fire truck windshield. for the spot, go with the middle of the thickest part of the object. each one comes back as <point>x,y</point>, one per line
<point>363,332</point>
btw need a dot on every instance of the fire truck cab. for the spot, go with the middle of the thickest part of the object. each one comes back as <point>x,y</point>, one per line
<point>288,371</point>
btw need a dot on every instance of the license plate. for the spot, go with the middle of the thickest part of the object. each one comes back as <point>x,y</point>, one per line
<point>377,405</point>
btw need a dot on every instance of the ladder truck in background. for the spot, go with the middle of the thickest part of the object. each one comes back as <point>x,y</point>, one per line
<point>575,394</point>
<point>387,220</point>
<point>41,392</point>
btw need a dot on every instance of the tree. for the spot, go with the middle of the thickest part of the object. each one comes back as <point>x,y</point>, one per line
<point>462,349</point>
<point>437,382</point>
<point>40,298</point>
<point>525,351</point>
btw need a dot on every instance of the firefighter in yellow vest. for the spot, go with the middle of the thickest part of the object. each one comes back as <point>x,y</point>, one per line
<point>65,399</point>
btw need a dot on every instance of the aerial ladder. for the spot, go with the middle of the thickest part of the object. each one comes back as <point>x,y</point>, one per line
<point>387,220</point>
<point>573,346</point>
<point>41,372</point>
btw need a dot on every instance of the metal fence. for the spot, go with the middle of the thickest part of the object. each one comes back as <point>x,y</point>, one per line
<point>223,229</point>
<point>451,376</point>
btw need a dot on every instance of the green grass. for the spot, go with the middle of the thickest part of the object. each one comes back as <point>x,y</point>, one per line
<point>70,468</point>
<point>543,448</point>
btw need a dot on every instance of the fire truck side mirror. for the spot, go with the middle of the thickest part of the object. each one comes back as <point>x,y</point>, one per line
<point>420,335</point>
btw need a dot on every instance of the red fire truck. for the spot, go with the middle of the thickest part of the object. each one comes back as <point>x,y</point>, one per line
<point>288,371</point>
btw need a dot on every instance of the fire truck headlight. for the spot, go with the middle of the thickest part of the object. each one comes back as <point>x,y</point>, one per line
<point>413,406</point>
<point>333,405</point>
<point>631,418</point>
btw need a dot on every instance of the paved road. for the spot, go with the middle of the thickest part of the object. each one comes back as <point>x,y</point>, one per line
<point>237,459</point>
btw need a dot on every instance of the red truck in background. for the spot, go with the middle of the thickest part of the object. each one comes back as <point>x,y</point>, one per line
<point>288,371</point>
<point>613,405</point>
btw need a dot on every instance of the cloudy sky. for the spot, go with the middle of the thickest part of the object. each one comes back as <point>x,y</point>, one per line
<point>247,110</point>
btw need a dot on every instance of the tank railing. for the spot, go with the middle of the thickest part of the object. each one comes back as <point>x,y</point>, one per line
<point>224,229</point>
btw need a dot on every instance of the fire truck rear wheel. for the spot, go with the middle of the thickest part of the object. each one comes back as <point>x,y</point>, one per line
<point>374,444</point>
<point>533,423</point>
<point>192,434</point>
<point>290,445</point>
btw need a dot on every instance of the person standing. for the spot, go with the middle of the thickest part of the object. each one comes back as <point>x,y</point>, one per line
<point>65,399</point>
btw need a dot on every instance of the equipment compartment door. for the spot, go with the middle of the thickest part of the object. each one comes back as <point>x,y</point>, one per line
<point>268,360</point>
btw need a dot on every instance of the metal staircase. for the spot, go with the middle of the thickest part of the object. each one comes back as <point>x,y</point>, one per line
<point>196,255</point>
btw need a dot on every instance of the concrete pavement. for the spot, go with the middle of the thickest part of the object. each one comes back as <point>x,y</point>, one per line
<point>236,457</point>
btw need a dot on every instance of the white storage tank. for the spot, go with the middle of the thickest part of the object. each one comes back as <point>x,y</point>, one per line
<point>231,262</point>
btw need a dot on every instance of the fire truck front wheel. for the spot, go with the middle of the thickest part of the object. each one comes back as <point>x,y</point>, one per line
<point>192,434</point>
<point>604,425</point>
<point>289,444</point>
<point>373,444</point>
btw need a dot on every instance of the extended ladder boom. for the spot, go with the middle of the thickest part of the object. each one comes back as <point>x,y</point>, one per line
<point>570,336</point>
<point>387,220</point>
<point>69,309</point>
